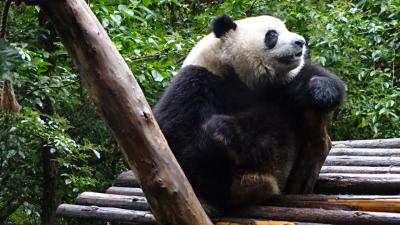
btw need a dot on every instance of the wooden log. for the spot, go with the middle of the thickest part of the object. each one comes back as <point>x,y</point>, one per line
<point>373,203</point>
<point>377,143</point>
<point>120,101</point>
<point>377,203</point>
<point>362,161</point>
<point>111,200</point>
<point>125,191</point>
<point>342,184</point>
<point>361,169</point>
<point>365,152</point>
<point>354,184</point>
<point>127,179</point>
<point>106,214</point>
<point>146,218</point>
<point>319,215</point>
<point>241,221</point>
<point>339,176</point>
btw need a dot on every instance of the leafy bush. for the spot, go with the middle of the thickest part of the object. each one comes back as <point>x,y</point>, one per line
<point>358,40</point>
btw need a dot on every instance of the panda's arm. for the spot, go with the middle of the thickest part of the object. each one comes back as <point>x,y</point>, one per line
<point>315,88</point>
<point>185,106</point>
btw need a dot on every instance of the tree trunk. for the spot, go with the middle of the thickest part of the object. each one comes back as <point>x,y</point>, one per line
<point>120,101</point>
<point>49,205</point>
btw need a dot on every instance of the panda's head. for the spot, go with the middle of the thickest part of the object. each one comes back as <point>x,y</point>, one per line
<point>260,50</point>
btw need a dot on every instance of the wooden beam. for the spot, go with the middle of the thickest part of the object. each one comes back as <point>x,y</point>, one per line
<point>240,221</point>
<point>127,179</point>
<point>377,143</point>
<point>365,152</point>
<point>112,200</point>
<point>319,215</point>
<point>362,161</point>
<point>125,191</point>
<point>106,214</point>
<point>340,183</point>
<point>351,184</point>
<point>146,218</point>
<point>120,101</point>
<point>372,203</point>
<point>361,169</point>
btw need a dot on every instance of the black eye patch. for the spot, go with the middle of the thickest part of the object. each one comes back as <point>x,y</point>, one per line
<point>271,38</point>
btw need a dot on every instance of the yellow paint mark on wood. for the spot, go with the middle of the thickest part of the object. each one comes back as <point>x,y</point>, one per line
<point>259,222</point>
<point>377,205</point>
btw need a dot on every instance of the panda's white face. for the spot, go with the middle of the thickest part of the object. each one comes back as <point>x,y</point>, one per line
<point>259,49</point>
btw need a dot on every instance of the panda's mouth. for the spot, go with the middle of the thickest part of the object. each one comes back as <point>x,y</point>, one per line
<point>290,59</point>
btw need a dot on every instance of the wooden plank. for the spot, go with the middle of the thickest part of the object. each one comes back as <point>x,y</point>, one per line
<point>106,214</point>
<point>364,203</point>
<point>134,217</point>
<point>361,175</point>
<point>340,184</point>
<point>373,203</point>
<point>361,169</point>
<point>357,185</point>
<point>111,200</point>
<point>125,191</point>
<point>319,215</point>
<point>362,161</point>
<point>376,143</point>
<point>365,151</point>
<point>127,179</point>
<point>238,221</point>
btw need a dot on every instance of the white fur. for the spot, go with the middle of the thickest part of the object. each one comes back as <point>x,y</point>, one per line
<point>244,50</point>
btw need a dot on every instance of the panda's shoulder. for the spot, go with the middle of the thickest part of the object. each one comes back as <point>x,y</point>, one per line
<point>194,75</point>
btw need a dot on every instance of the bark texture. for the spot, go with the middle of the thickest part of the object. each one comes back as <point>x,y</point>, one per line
<point>119,99</point>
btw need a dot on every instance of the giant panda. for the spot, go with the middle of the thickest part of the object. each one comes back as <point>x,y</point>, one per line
<point>234,114</point>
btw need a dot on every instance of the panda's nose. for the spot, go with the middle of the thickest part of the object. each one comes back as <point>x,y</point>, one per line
<point>300,42</point>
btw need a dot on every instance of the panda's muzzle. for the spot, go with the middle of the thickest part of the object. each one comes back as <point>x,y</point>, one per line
<point>290,59</point>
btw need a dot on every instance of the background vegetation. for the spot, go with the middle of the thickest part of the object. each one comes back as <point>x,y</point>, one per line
<point>358,40</point>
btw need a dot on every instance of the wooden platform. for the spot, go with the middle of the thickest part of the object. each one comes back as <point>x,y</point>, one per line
<point>358,184</point>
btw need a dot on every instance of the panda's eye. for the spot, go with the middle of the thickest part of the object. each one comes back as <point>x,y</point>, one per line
<point>271,38</point>
<point>272,33</point>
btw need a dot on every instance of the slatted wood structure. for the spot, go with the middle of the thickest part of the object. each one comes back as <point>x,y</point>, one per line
<point>358,184</point>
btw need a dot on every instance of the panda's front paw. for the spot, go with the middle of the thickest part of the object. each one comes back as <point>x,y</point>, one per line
<point>326,93</point>
<point>222,129</point>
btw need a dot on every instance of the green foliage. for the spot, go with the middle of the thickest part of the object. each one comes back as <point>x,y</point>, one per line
<point>358,40</point>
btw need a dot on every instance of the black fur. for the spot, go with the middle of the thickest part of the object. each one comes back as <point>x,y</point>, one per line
<point>271,38</point>
<point>315,88</point>
<point>217,127</point>
<point>222,24</point>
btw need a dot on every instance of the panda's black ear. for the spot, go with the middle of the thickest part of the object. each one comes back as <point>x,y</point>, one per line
<point>222,24</point>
